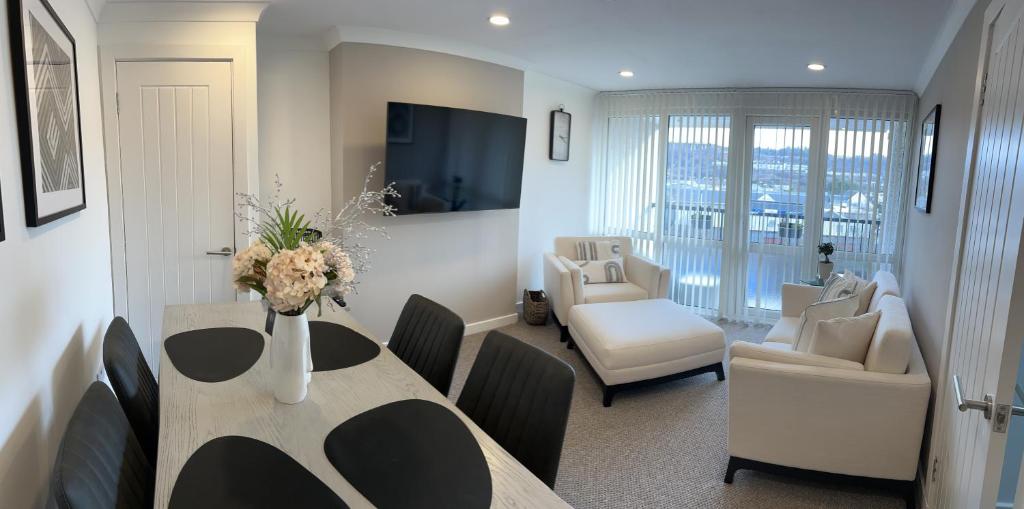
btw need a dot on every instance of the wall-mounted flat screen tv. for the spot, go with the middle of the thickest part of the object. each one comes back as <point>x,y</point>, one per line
<point>452,160</point>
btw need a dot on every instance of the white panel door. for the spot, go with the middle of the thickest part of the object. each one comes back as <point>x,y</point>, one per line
<point>174,123</point>
<point>987,323</point>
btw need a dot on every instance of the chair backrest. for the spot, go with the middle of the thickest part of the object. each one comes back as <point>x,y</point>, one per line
<point>99,462</point>
<point>427,338</point>
<point>134,384</point>
<point>566,246</point>
<point>520,396</point>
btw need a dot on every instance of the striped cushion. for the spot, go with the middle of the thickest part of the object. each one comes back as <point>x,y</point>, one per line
<point>598,250</point>
<point>602,271</point>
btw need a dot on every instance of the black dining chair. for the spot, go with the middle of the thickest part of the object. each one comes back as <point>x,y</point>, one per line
<point>99,462</point>
<point>520,395</point>
<point>427,338</point>
<point>134,384</point>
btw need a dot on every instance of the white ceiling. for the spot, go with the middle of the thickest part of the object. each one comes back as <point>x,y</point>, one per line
<point>667,43</point>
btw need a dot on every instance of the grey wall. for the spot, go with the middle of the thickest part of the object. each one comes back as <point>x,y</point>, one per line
<point>930,238</point>
<point>464,260</point>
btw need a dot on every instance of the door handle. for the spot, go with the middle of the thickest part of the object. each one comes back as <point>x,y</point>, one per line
<point>971,404</point>
<point>224,251</point>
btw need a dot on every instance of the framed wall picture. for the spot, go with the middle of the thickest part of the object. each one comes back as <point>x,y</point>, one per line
<point>561,127</point>
<point>926,160</point>
<point>45,69</point>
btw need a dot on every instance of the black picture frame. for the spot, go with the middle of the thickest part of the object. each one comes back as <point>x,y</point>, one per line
<point>929,143</point>
<point>31,168</point>
<point>558,147</point>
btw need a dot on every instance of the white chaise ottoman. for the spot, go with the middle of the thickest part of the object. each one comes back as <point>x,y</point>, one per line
<point>643,342</point>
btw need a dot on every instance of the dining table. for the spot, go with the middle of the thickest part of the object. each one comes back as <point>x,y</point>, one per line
<point>196,410</point>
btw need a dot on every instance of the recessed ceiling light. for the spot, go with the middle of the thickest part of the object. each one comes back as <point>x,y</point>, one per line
<point>625,73</point>
<point>499,20</point>
<point>816,67</point>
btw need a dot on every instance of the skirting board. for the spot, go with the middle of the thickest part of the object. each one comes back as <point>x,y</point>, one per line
<point>491,324</point>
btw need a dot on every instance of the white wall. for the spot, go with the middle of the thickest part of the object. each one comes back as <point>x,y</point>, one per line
<point>57,298</point>
<point>295,119</point>
<point>556,194</point>
<point>465,260</point>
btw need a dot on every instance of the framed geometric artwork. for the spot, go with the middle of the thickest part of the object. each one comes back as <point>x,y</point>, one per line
<point>926,160</point>
<point>561,127</point>
<point>48,111</point>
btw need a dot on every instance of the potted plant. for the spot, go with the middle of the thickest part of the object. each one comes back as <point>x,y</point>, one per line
<point>825,267</point>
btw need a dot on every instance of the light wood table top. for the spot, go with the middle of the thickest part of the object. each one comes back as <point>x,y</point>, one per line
<point>193,413</point>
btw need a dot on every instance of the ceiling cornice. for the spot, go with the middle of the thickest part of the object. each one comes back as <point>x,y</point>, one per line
<point>955,17</point>
<point>123,12</point>
<point>368,35</point>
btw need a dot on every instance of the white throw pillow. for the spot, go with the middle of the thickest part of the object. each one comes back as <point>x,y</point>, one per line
<point>594,250</point>
<point>838,286</point>
<point>865,289</point>
<point>845,338</point>
<point>839,308</point>
<point>602,271</point>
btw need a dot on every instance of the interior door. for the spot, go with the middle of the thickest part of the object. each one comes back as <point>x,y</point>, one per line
<point>779,169</point>
<point>175,141</point>
<point>987,320</point>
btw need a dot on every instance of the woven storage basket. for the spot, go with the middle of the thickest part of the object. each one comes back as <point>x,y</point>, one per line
<point>535,307</point>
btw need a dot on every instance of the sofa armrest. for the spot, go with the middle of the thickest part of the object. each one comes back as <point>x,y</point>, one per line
<point>833,420</point>
<point>647,275</point>
<point>759,352</point>
<point>558,283</point>
<point>796,298</point>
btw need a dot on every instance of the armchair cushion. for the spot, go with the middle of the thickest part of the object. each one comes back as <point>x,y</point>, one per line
<point>844,338</point>
<point>784,331</point>
<point>566,246</point>
<point>768,353</point>
<point>796,298</point>
<point>612,292</point>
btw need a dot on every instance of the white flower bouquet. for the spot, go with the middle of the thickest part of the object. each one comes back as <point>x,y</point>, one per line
<point>294,261</point>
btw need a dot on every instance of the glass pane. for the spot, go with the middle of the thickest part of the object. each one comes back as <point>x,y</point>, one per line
<point>697,160</point>
<point>780,155</point>
<point>631,183</point>
<point>860,181</point>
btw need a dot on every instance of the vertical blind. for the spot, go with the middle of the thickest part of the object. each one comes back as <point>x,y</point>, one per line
<point>734,189</point>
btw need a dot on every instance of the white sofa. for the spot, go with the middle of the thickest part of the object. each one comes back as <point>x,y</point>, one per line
<point>565,288</point>
<point>807,414</point>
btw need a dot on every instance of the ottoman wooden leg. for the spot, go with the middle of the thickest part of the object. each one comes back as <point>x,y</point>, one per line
<point>720,371</point>
<point>609,393</point>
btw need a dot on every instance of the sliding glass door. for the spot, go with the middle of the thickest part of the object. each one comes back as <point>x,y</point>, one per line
<point>779,169</point>
<point>733,190</point>
<point>693,207</point>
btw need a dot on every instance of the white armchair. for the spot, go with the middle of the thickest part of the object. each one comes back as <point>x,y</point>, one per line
<point>565,288</point>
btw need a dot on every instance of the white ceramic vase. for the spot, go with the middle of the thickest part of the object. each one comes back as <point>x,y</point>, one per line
<point>291,364</point>
<point>825,270</point>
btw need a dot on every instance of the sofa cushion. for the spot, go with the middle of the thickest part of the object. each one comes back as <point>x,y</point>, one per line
<point>612,292</point>
<point>630,334</point>
<point>893,342</point>
<point>818,311</point>
<point>784,331</point>
<point>887,285</point>
<point>844,338</point>
<point>838,286</point>
<point>602,271</point>
<point>768,353</point>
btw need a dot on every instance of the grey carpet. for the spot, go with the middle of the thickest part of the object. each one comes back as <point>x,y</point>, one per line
<point>662,446</point>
